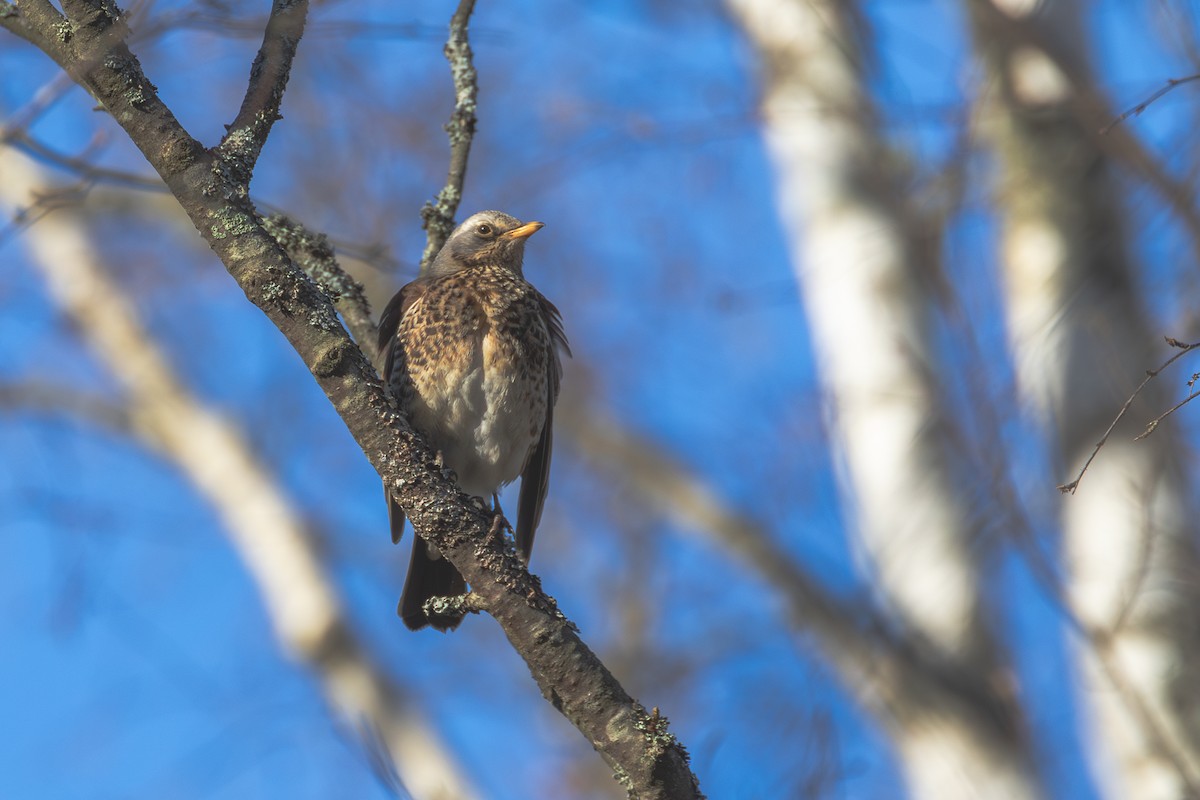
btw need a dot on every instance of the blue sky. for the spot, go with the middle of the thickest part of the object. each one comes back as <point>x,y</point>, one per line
<point>138,660</point>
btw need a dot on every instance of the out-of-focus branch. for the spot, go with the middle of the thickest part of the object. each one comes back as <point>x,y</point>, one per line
<point>64,400</point>
<point>438,215</point>
<point>261,522</point>
<point>85,169</point>
<point>894,676</point>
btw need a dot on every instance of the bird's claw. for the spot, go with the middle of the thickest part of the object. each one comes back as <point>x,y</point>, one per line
<point>500,525</point>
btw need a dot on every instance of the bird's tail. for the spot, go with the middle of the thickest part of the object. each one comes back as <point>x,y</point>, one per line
<point>429,577</point>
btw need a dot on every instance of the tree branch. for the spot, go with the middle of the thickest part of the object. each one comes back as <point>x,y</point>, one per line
<point>1184,348</point>
<point>312,253</point>
<point>438,216</point>
<point>36,397</point>
<point>1172,83</point>
<point>35,21</point>
<point>646,758</point>
<point>269,74</point>
<point>22,140</point>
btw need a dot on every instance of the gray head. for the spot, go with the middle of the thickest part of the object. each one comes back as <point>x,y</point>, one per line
<point>489,238</point>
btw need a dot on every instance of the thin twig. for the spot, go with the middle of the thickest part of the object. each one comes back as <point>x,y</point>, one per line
<point>1172,83</point>
<point>1152,424</point>
<point>438,215</point>
<point>1184,348</point>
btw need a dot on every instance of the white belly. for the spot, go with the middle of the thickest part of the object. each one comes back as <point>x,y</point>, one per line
<point>483,425</point>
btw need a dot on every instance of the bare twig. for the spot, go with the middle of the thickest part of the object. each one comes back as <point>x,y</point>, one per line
<point>1172,83</point>
<point>1184,348</point>
<point>1153,424</point>
<point>242,145</point>
<point>438,215</point>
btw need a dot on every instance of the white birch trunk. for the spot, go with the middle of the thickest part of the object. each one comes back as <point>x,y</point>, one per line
<point>1080,346</point>
<point>854,263</point>
<point>260,521</point>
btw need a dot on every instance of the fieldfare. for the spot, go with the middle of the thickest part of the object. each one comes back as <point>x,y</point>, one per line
<point>471,353</point>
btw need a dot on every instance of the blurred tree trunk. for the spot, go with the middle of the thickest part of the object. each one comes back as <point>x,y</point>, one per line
<point>261,522</point>
<point>855,257</point>
<point>1081,343</point>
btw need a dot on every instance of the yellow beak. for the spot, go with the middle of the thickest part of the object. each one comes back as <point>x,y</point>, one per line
<point>525,231</point>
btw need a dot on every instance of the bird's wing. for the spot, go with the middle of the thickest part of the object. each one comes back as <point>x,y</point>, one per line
<point>535,477</point>
<point>535,480</point>
<point>395,516</point>
<point>554,325</point>
<point>389,321</point>
<point>393,360</point>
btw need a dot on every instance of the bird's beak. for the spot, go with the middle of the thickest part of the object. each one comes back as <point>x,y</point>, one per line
<point>525,231</point>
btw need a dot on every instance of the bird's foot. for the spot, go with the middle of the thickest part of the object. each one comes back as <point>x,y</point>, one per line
<point>499,523</point>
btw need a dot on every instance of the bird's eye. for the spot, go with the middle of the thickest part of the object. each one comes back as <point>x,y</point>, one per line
<point>484,230</point>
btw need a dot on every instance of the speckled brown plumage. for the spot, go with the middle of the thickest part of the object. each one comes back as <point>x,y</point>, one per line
<point>471,354</point>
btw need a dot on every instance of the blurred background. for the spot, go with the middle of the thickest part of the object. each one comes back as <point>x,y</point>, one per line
<point>851,288</point>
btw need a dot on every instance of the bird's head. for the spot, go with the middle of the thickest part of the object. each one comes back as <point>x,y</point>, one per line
<point>489,238</point>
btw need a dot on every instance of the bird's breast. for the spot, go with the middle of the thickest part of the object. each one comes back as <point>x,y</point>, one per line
<point>477,369</point>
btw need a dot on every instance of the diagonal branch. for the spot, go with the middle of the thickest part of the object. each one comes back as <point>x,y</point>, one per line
<point>22,140</point>
<point>35,22</point>
<point>645,757</point>
<point>893,674</point>
<point>1152,425</point>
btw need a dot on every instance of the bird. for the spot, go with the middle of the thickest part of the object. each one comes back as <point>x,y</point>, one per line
<point>471,353</point>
